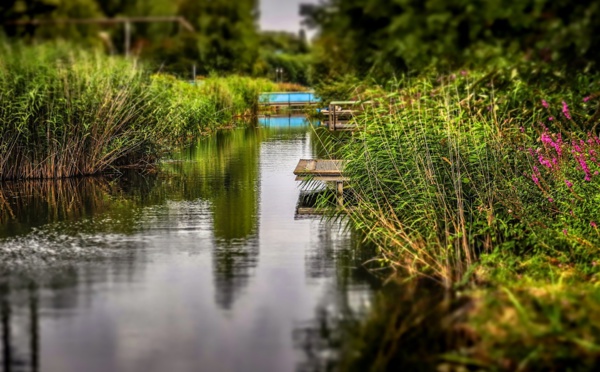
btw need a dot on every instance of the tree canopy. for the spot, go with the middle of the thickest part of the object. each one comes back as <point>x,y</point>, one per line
<point>383,36</point>
<point>225,40</point>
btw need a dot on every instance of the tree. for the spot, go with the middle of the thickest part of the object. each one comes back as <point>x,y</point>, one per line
<point>227,33</point>
<point>380,37</point>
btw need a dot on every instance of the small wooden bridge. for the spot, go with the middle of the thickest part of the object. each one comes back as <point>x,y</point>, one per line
<point>326,170</point>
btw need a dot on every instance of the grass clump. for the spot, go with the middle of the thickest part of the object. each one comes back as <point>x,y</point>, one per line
<point>446,169</point>
<point>69,112</point>
<point>66,113</point>
<point>488,183</point>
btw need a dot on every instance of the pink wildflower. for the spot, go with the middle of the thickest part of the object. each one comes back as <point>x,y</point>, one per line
<point>545,104</point>
<point>543,161</point>
<point>569,184</point>
<point>584,166</point>
<point>593,224</point>
<point>551,200</point>
<point>564,231</point>
<point>565,110</point>
<point>586,99</point>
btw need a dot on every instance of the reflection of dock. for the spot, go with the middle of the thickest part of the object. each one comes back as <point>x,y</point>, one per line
<point>306,206</point>
<point>326,170</point>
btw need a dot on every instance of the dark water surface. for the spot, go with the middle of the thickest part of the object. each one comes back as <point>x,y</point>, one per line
<point>203,266</point>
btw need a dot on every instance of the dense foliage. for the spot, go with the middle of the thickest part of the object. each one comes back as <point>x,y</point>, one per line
<point>450,167</point>
<point>225,37</point>
<point>284,57</point>
<point>382,38</point>
<point>487,180</point>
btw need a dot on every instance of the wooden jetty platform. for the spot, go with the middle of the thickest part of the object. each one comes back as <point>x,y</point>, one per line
<point>326,170</point>
<point>340,114</point>
<point>329,170</point>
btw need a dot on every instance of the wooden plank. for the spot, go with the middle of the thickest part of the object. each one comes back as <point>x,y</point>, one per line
<point>320,170</point>
<point>322,178</point>
<point>319,167</point>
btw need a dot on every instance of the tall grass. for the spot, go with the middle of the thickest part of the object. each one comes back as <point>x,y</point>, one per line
<point>489,183</point>
<point>209,104</point>
<point>69,112</point>
<point>440,176</point>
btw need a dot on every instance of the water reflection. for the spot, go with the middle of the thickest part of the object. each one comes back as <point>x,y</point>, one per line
<point>347,299</point>
<point>284,122</point>
<point>206,251</point>
<point>227,163</point>
<point>20,344</point>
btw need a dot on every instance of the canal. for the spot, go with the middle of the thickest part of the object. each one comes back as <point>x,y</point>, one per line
<point>203,265</point>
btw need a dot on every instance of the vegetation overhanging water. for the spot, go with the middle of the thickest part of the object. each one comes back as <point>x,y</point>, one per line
<point>484,180</point>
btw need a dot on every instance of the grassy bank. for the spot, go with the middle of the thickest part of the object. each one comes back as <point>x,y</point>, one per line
<point>488,182</point>
<point>68,112</point>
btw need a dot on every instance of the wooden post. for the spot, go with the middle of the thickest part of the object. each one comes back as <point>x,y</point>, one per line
<point>331,115</point>
<point>340,193</point>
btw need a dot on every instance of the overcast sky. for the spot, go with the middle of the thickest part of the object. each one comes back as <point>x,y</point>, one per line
<point>281,14</point>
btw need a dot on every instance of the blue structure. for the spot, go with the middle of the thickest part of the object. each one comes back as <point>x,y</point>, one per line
<point>288,99</point>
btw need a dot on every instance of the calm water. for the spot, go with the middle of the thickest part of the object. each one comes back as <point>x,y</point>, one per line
<point>203,266</point>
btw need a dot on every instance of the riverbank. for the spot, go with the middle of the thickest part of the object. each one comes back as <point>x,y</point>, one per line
<point>487,182</point>
<point>69,112</point>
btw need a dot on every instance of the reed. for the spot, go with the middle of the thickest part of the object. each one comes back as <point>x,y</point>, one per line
<point>441,173</point>
<point>67,112</point>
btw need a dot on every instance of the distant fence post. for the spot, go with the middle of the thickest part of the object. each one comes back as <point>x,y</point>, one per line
<point>127,38</point>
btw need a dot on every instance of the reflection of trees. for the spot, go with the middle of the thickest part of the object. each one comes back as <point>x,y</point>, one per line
<point>13,357</point>
<point>235,213</point>
<point>408,327</point>
<point>232,269</point>
<point>27,204</point>
<point>47,226</point>
<point>338,254</point>
<point>226,167</point>
<point>320,262</point>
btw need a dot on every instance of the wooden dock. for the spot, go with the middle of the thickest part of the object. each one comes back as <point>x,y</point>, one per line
<point>327,170</point>
<point>320,170</point>
<point>340,114</point>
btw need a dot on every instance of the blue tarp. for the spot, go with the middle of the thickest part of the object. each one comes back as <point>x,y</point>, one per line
<point>291,97</point>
